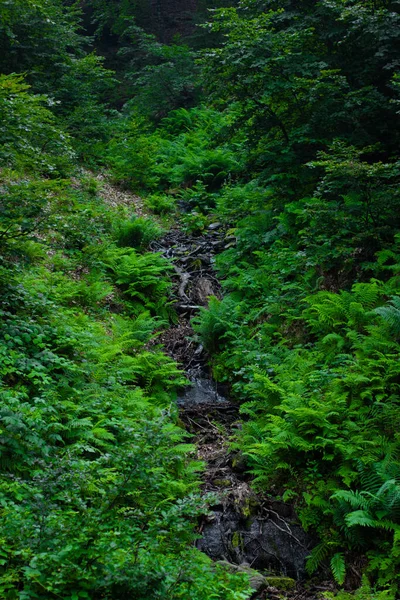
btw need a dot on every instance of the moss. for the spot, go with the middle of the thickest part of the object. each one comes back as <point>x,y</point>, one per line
<point>281,583</point>
<point>222,482</point>
<point>249,506</point>
<point>237,540</point>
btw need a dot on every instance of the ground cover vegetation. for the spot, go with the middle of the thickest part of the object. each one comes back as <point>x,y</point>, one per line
<point>294,148</point>
<point>98,488</point>
<point>280,120</point>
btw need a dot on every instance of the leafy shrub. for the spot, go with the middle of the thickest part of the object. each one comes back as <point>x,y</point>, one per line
<point>199,197</point>
<point>132,153</point>
<point>25,206</point>
<point>90,185</point>
<point>365,592</point>
<point>237,201</point>
<point>96,478</point>
<point>195,155</point>
<point>30,137</point>
<point>169,79</point>
<point>195,222</point>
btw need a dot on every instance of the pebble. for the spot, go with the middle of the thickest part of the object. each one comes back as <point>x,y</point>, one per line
<point>214,226</point>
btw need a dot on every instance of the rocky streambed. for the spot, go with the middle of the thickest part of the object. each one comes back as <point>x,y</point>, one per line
<point>246,531</point>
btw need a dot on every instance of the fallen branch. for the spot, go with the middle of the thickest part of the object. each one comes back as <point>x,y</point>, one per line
<point>184,276</point>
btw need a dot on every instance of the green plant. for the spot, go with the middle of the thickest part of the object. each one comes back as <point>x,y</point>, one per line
<point>161,204</point>
<point>30,137</point>
<point>142,278</point>
<point>131,153</point>
<point>26,206</point>
<point>91,185</point>
<point>195,222</point>
<point>137,233</point>
<point>365,592</point>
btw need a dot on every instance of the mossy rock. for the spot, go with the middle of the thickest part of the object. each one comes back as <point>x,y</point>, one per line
<point>250,506</point>
<point>222,482</point>
<point>239,463</point>
<point>284,584</point>
<point>257,581</point>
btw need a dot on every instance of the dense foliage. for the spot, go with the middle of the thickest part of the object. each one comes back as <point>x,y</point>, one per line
<point>308,330</point>
<point>295,150</point>
<point>98,488</point>
<point>279,120</point>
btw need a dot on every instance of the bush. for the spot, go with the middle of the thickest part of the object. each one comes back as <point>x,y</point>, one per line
<point>161,204</point>
<point>142,278</point>
<point>30,137</point>
<point>132,154</point>
<point>137,233</point>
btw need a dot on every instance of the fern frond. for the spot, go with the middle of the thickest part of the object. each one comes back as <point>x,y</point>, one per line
<point>338,567</point>
<point>391,314</point>
<point>318,555</point>
<point>354,499</point>
<point>367,294</point>
<point>361,518</point>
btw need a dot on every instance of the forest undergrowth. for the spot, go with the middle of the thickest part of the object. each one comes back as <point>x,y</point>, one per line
<point>280,121</point>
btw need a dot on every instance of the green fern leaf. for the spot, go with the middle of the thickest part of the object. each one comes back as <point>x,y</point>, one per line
<point>361,518</point>
<point>391,314</point>
<point>338,567</point>
<point>317,556</point>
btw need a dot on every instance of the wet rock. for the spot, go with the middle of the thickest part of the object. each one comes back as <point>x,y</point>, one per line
<point>250,506</point>
<point>265,542</point>
<point>201,392</point>
<point>242,530</point>
<point>239,464</point>
<point>218,244</point>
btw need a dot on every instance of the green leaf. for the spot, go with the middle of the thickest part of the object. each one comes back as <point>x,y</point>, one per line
<point>338,567</point>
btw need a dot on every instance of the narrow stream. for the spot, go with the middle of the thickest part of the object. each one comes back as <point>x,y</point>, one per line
<point>244,528</point>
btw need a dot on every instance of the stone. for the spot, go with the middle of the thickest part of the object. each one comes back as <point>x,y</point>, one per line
<point>222,482</point>
<point>214,226</point>
<point>283,584</point>
<point>250,506</point>
<point>239,464</point>
<point>270,545</point>
<point>203,290</point>
<point>257,581</point>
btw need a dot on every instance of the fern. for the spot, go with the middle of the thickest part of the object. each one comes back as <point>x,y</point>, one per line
<point>354,499</point>
<point>338,567</point>
<point>367,294</point>
<point>142,277</point>
<point>318,554</point>
<point>391,315</point>
<point>360,517</point>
